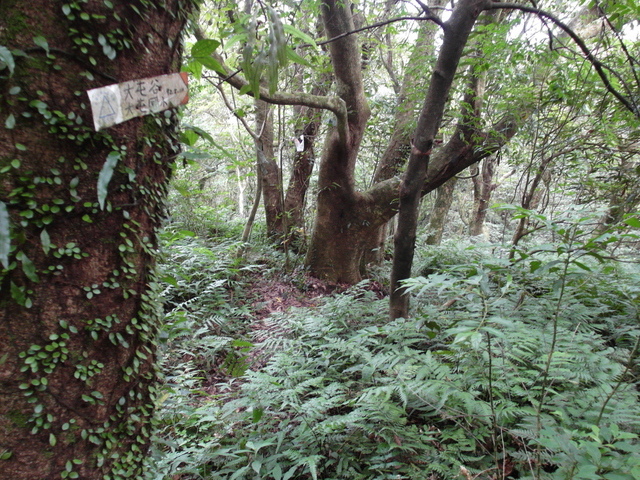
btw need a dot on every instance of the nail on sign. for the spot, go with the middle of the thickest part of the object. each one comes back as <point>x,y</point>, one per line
<point>122,101</point>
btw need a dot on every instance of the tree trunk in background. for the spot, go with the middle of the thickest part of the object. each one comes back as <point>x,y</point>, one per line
<point>483,187</point>
<point>303,162</point>
<point>248,226</point>
<point>531,197</point>
<point>271,178</point>
<point>78,315</point>
<point>440,211</point>
<point>624,196</point>
<point>242,187</point>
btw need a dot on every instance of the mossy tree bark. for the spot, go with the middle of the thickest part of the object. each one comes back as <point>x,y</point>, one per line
<point>77,310</point>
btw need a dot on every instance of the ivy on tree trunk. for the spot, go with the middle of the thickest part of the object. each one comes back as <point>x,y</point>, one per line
<point>77,312</point>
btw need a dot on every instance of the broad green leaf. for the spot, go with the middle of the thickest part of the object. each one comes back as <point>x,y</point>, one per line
<point>204,48</point>
<point>5,235</point>
<point>203,134</point>
<point>28,267</point>
<point>10,122</point>
<point>582,265</point>
<point>105,176</point>
<point>632,222</point>
<point>42,42</point>
<point>294,57</point>
<point>46,241</point>
<point>189,137</point>
<point>201,52</point>
<point>6,60</point>
<point>212,64</point>
<point>170,279</point>
<point>17,293</point>
<point>193,67</point>
<point>257,414</point>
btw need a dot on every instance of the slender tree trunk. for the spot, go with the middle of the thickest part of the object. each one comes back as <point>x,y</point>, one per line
<point>440,211</point>
<point>456,34</point>
<point>242,186</point>
<point>246,233</point>
<point>483,187</point>
<point>308,124</point>
<point>271,178</point>
<point>531,197</point>
<point>78,314</point>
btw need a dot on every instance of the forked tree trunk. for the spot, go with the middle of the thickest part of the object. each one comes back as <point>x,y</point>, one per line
<point>332,253</point>
<point>78,316</point>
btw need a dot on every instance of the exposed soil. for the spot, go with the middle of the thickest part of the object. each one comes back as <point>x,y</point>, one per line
<point>266,296</point>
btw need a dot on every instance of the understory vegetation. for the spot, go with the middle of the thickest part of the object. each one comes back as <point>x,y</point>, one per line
<point>517,362</point>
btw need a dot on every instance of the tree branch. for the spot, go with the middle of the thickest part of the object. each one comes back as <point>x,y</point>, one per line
<point>382,23</point>
<point>597,64</point>
<point>333,104</point>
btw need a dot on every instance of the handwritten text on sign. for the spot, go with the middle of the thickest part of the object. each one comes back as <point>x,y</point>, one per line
<point>122,101</point>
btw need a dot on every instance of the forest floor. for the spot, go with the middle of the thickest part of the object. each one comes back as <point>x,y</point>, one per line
<point>267,296</point>
<point>276,293</point>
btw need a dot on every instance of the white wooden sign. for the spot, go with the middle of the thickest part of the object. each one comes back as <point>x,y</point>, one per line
<point>120,102</point>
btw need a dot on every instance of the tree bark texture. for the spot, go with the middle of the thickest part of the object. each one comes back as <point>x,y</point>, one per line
<point>338,225</point>
<point>308,121</point>
<point>77,311</point>
<point>457,30</point>
<point>483,187</point>
<point>271,179</point>
<point>440,211</point>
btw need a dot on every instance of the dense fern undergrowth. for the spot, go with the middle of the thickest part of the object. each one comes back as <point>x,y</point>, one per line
<point>517,364</point>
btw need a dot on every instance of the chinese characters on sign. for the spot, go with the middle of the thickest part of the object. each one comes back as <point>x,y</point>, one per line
<point>120,102</point>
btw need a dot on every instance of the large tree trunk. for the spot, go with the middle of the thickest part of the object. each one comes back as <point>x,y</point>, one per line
<point>78,316</point>
<point>457,31</point>
<point>338,226</point>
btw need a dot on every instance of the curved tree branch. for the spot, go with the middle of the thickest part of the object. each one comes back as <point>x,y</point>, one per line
<point>333,104</point>
<point>597,64</point>
<point>429,17</point>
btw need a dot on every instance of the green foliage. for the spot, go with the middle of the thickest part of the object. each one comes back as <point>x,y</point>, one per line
<point>523,368</point>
